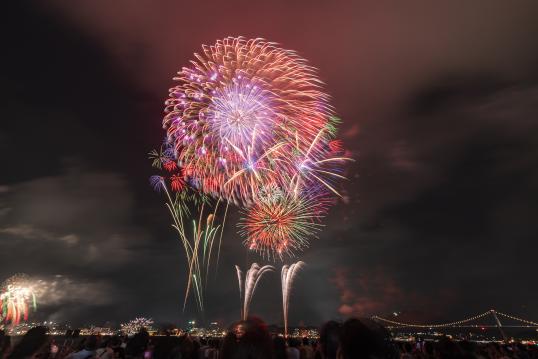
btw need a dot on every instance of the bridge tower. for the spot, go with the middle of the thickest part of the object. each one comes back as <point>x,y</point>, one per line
<point>499,325</point>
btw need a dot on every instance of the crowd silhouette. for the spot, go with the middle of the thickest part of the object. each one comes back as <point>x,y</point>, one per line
<point>251,339</point>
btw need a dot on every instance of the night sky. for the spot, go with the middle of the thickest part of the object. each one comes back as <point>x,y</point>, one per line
<point>439,103</point>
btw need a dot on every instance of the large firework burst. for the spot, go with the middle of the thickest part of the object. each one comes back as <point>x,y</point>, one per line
<point>239,111</point>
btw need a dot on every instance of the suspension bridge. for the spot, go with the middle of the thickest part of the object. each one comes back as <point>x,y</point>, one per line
<point>465,323</point>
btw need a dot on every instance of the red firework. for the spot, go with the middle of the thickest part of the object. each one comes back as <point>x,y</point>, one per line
<point>170,166</point>
<point>282,224</point>
<point>177,183</point>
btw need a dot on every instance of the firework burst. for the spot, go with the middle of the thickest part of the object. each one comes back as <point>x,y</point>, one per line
<point>134,326</point>
<point>281,224</point>
<point>17,296</point>
<point>239,110</point>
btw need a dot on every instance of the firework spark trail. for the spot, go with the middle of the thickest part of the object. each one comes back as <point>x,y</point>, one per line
<point>287,277</point>
<point>199,260</point>
<point>241,285</point>
<point>247,286</point>
<point>198,246</point>
<point>312,168</point>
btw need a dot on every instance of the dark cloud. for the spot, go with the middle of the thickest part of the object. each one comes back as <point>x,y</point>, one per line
<point>438,103</point>
<point>62,225</point>
<point>65,220</point>
<point>61,298</point>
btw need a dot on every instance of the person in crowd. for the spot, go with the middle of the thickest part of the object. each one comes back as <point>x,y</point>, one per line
<point>88,349</point>
<point>119,353</point>
<point>292,350</point>
<point>212,352</point>
<point>107,349</point>
<point>306,350</point>
<point>364,340</point>
<point>253,342</point>
<point>54,349</point>
<point>34,344</point>
<point>406,350</point>
<point>175,353</point>
<point>279,347</point>
<point>329,340</point>
<point>165,347</point>
<point>5,344</point>
<point>315,346</point>
<point>229,344</point>
<point>188,348</point>
<point>137,345</point>
<point>428,350</point>
<point>446,348</point>
<point>203,348</point>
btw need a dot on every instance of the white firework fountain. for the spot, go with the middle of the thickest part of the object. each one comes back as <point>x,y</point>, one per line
<point>248,284</point>
<point>288,275</point>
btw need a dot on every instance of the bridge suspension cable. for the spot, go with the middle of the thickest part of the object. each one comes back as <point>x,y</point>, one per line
<point>453,324</point>
<point>516,318</point>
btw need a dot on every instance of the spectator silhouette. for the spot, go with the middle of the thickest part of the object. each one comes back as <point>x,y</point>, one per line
<point>361,341</point>
<point>293,349</point>
<point>253,343</point>
<point>229,344</point>
<point>279,347</point>
<point>329,340</point>
<point>88,349</point>
<point>138,344</point>
<point>306,349</point>
<point>446,348</point>
<point>5,344</point>
<point>33,344</point>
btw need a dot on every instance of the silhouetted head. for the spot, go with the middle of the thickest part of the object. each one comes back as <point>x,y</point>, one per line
<point>229,345</point>
<point>329,339</point>
<point>279,347</point>
<point>239,329</point>
<point>34,341</point>
<point>119,353</point>
<point>137,344</point>
<point>428,348</point>
<point>113,342</point>
<point>292,342</point>
<point>90,343</point>
<point>446,348</point>
<point>252,341</point>
<point>364,339</point>
<point>5,343</point>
